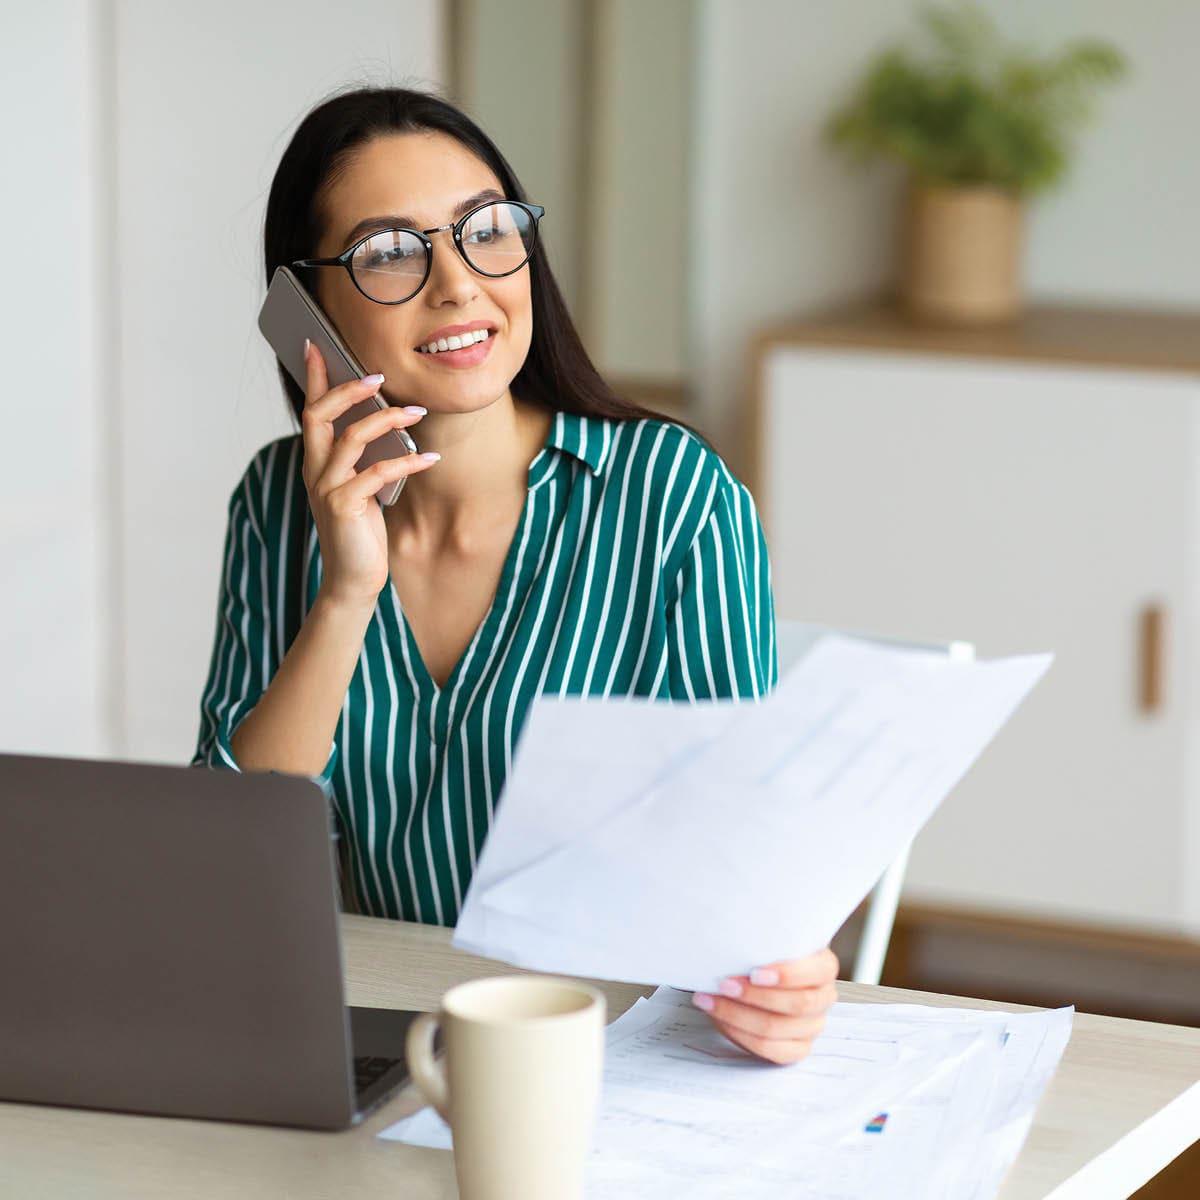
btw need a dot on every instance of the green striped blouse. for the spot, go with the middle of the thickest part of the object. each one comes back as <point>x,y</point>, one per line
<point>638,567</point>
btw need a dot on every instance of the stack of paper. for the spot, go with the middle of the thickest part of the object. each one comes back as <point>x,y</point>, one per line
<point>893,1100</point>
<point>678,843</point>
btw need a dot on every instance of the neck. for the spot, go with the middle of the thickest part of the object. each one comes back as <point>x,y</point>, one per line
<point>481,480</point>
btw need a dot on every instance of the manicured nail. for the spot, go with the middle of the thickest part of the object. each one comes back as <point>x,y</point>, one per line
<point>731,987</point>
<point>415,409</point>
<point>431,456</point>
<point>701,1000</point>
<point>372,380</point>
<point>764,977</point>
<point>306,345</point>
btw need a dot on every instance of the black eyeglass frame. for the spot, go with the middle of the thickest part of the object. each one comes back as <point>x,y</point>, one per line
<point>536,212</point>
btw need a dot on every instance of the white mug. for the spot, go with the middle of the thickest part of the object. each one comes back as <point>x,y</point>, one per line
<point>520,1089</point>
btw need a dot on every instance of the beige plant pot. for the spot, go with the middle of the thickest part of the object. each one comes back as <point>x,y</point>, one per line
<point>963,255</point>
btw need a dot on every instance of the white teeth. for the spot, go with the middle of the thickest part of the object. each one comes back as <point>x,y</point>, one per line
<point>456,342</point>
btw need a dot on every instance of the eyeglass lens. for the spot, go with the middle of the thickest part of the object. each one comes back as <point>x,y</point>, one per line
<point>495,240</point>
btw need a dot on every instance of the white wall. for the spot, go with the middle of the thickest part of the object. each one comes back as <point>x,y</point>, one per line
<point>1123,228</point>
<point>533,114</point>
<point>54,583</point>
<point>811,230</point>
<point>639,249</point>
<point>143,386</point>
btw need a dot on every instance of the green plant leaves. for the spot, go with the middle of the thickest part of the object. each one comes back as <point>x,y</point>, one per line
<point>972,109</point>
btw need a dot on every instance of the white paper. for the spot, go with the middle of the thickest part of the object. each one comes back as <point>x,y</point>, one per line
<point>682,1107</point>
<point>678,843</point>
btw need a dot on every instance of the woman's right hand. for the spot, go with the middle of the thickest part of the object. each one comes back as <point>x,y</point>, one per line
<point>349,520</point>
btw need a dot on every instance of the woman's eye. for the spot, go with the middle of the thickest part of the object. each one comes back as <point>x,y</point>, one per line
<point>482,236</point>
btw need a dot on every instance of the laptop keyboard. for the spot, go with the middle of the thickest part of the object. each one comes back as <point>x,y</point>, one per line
<point>367,1070</point>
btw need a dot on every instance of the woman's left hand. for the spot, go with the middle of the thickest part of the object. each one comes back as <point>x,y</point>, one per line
<point>777,1010</point>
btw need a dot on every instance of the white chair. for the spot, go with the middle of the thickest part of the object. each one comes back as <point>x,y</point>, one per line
<point>793,640</point>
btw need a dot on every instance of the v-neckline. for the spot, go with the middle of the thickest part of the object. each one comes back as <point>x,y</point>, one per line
<point>468,664</point>
<point>425,680</point>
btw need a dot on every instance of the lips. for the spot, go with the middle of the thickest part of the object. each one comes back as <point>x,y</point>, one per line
<point>466,356</point>
<point>441,337</point>
<point>455,341</point>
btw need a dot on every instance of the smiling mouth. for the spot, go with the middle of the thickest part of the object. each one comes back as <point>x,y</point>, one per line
<point>460,341</point>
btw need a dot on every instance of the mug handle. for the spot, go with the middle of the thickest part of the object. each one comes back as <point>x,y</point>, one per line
<point>428,1074</point>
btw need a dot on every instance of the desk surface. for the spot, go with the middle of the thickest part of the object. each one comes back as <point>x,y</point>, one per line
<point>1124,1102</point>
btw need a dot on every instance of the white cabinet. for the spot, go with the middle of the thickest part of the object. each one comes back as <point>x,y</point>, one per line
<point>1022,505</point>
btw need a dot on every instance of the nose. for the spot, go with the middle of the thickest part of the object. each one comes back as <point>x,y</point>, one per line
<point>449,275</point>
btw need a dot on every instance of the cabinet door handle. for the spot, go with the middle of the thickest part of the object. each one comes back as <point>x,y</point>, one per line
<point>1150,672</point>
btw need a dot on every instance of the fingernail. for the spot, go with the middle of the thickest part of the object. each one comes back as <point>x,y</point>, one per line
<point>415,409</point>
<point>306,345</point>
<point>431,456</point>
<point>764,977</point>
<point>372,380</point>
<point>701,1000</point>
<point>731,987</point>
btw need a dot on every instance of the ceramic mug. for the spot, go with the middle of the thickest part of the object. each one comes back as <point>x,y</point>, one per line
<point>520,1084</point>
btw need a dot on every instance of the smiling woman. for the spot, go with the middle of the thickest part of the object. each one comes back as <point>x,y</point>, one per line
<point>560,540</point>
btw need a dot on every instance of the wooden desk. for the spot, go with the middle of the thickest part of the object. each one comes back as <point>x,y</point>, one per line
<point>1125,1101</point>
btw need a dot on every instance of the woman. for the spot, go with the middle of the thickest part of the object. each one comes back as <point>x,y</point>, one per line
<point>552,538</point>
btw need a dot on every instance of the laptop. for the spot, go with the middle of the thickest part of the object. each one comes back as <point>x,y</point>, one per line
<point>170,942</point>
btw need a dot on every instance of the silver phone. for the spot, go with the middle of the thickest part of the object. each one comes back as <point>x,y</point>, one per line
<point>289,314</point>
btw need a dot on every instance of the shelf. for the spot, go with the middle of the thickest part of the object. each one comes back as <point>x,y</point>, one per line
<point>1157,339</point>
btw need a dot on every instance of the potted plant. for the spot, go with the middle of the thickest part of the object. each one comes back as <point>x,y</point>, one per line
<point>980,125</point>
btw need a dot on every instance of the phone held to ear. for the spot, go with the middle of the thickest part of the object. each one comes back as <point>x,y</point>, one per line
<point>288,315</point>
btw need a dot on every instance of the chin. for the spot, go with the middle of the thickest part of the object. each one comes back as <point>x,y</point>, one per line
<point>463,395</point>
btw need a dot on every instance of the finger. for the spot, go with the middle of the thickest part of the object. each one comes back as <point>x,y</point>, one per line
<point>350,499</point>
<point>316,381</point>
<point>348,448</point>
<point>812,970</point>
<point>758,1021</point>
<point>781,1051</point>
<point>797,1002</point>
<point>317,434</point>
<point>343,396</point>
<point>318,417</point>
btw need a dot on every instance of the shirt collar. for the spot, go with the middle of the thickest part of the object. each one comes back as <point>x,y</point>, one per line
<point>587,438</point>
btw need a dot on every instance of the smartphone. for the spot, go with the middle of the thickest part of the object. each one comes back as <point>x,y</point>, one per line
<point>288,315</point>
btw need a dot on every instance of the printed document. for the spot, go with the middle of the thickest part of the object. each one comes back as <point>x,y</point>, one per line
<point>671,843</point>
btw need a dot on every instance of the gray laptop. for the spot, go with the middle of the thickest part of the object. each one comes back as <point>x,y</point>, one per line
<point>170,944</point>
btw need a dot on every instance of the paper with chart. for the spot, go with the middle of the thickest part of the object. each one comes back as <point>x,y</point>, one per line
<point>676,843</point>
<point>893,1100</point>
<point>1032,1045</point>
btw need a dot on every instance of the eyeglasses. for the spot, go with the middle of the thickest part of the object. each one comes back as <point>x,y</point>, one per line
<point>392,265</point>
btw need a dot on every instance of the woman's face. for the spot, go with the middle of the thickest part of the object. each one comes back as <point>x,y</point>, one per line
<point>423,176</point>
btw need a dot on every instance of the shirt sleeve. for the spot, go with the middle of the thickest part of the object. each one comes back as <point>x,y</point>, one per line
<point>721,622</point>
<point>245,654</point>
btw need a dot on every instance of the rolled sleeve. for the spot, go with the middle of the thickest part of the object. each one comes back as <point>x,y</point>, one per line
<point>223,756</point>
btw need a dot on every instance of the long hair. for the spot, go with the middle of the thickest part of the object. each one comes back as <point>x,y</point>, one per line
<point>557,372</point>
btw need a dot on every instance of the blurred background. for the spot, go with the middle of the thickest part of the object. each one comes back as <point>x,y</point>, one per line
<point>946,326</point>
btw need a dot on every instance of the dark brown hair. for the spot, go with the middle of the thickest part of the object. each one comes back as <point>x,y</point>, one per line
<point>557,372</point>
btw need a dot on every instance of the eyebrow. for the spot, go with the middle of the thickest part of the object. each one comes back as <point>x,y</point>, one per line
<point>392,220</point>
